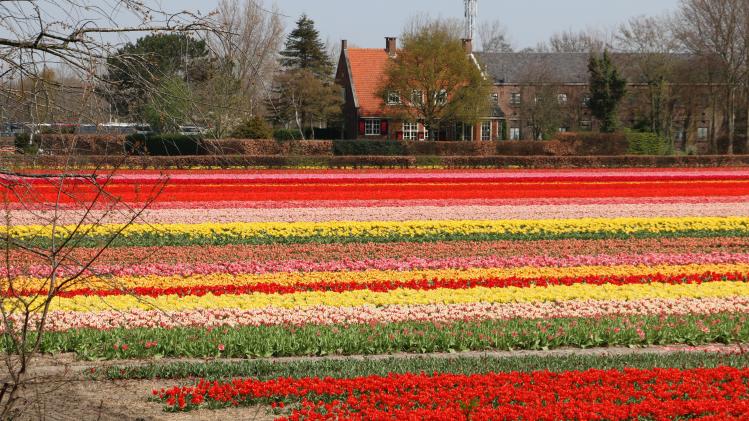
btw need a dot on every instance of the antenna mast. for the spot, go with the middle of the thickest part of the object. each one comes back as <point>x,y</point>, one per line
<point>472,7</point>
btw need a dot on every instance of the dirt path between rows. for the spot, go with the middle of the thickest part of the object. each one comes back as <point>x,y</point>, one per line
<point>66,393</point>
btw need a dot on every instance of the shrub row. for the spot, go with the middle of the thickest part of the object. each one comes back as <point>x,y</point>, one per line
<point>244,161</point>
<point>401,148</point>
<point>267,147</point>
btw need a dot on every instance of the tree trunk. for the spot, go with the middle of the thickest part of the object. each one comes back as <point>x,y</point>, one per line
<point>731,118</point>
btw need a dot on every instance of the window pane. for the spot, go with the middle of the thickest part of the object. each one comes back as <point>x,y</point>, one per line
<point>486,130</point>
<point>372,127</point>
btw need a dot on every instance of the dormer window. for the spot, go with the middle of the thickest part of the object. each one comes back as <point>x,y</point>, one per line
<point>393,98</point>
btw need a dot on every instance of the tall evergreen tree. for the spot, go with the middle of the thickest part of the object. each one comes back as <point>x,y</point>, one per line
<point>607,89</point>
<point>305,50</point>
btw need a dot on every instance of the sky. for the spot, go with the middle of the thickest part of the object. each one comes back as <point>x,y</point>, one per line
<point>365,23</point>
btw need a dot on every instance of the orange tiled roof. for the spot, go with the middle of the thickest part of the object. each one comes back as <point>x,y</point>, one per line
<point>367,71</point>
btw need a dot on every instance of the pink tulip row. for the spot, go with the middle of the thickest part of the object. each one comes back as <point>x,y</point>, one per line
<point>401,264</point>
<point>439,313</point>
<point>292,204</point>
<point>388,213</point>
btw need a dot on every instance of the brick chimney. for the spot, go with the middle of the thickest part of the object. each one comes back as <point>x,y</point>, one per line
<point>344,45</point>
<point>468,45</point>
<point>391,46</point>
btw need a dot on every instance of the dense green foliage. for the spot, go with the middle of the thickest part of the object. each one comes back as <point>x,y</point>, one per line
<point>304,92</point>
<point>648,144</point>
<point>253,128</point>
<point>287,134</point>
<point>138,68</point>
<point>437,82</point>
<point>607,89</point>
<point>22,144</point>
<point>305,50</point>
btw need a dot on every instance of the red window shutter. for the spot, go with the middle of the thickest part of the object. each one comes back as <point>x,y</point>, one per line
<point>362,128</point>
<point>399,135</point>
<point>384,127</point>
<point>421,135</point>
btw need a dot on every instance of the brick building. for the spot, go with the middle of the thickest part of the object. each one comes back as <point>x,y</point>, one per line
<point>521,81</point>
<point>360,73</point>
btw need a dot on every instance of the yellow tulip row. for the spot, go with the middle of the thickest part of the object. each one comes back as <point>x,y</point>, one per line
<point>405,229</point>
<point>406,297</point>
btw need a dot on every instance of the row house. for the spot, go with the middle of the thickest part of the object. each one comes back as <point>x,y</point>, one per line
<point>530,91</point>
<point>361,72</point>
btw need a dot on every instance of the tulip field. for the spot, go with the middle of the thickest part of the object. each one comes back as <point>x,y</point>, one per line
<point>313,263</point>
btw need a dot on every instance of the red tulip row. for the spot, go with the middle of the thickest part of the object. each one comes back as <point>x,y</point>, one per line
<point>392,285</point>
<point>719,393</point>
<point>363,190</point>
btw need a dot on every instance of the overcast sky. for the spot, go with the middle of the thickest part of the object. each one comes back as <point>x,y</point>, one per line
<point>366,22</point>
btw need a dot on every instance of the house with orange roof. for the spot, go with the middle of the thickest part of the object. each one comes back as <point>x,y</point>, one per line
<point>366,116</point>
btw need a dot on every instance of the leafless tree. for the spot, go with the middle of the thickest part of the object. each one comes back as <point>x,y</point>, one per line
<point>544,110</point>
<point>494,38</point>
<point>576,42</point>
<point>716,30</point>
<point>41,40</point>
<point>245,52</point>
<point>651,57</point>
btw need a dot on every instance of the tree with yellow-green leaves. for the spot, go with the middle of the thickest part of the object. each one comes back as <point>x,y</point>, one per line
<point>435,80</point>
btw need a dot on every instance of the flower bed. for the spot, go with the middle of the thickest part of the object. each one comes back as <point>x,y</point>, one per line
<point>595,394</point>
<point>260,263</point>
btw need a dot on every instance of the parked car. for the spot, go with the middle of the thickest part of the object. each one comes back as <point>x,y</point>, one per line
<point>191,130</point>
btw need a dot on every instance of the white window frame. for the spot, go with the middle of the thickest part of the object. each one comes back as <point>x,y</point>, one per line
<point>514,133</point>
<point>495,98</point>
<point>562,130</point>
<point>410,131</point>
<point>393,98</point>
<point>703,133</point>
<point>516,98</point>
<point>486,130</point>
<point>562,99</point>
<point>417,97</point>
<point>372,127</point>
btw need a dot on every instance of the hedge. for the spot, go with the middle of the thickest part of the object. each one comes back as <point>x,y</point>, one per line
<point>594,144</point>
<point>648,144</point>
<point>369,148</point>
<point>164,144</point>
<point>244,161</point>
<point>258,147</point>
